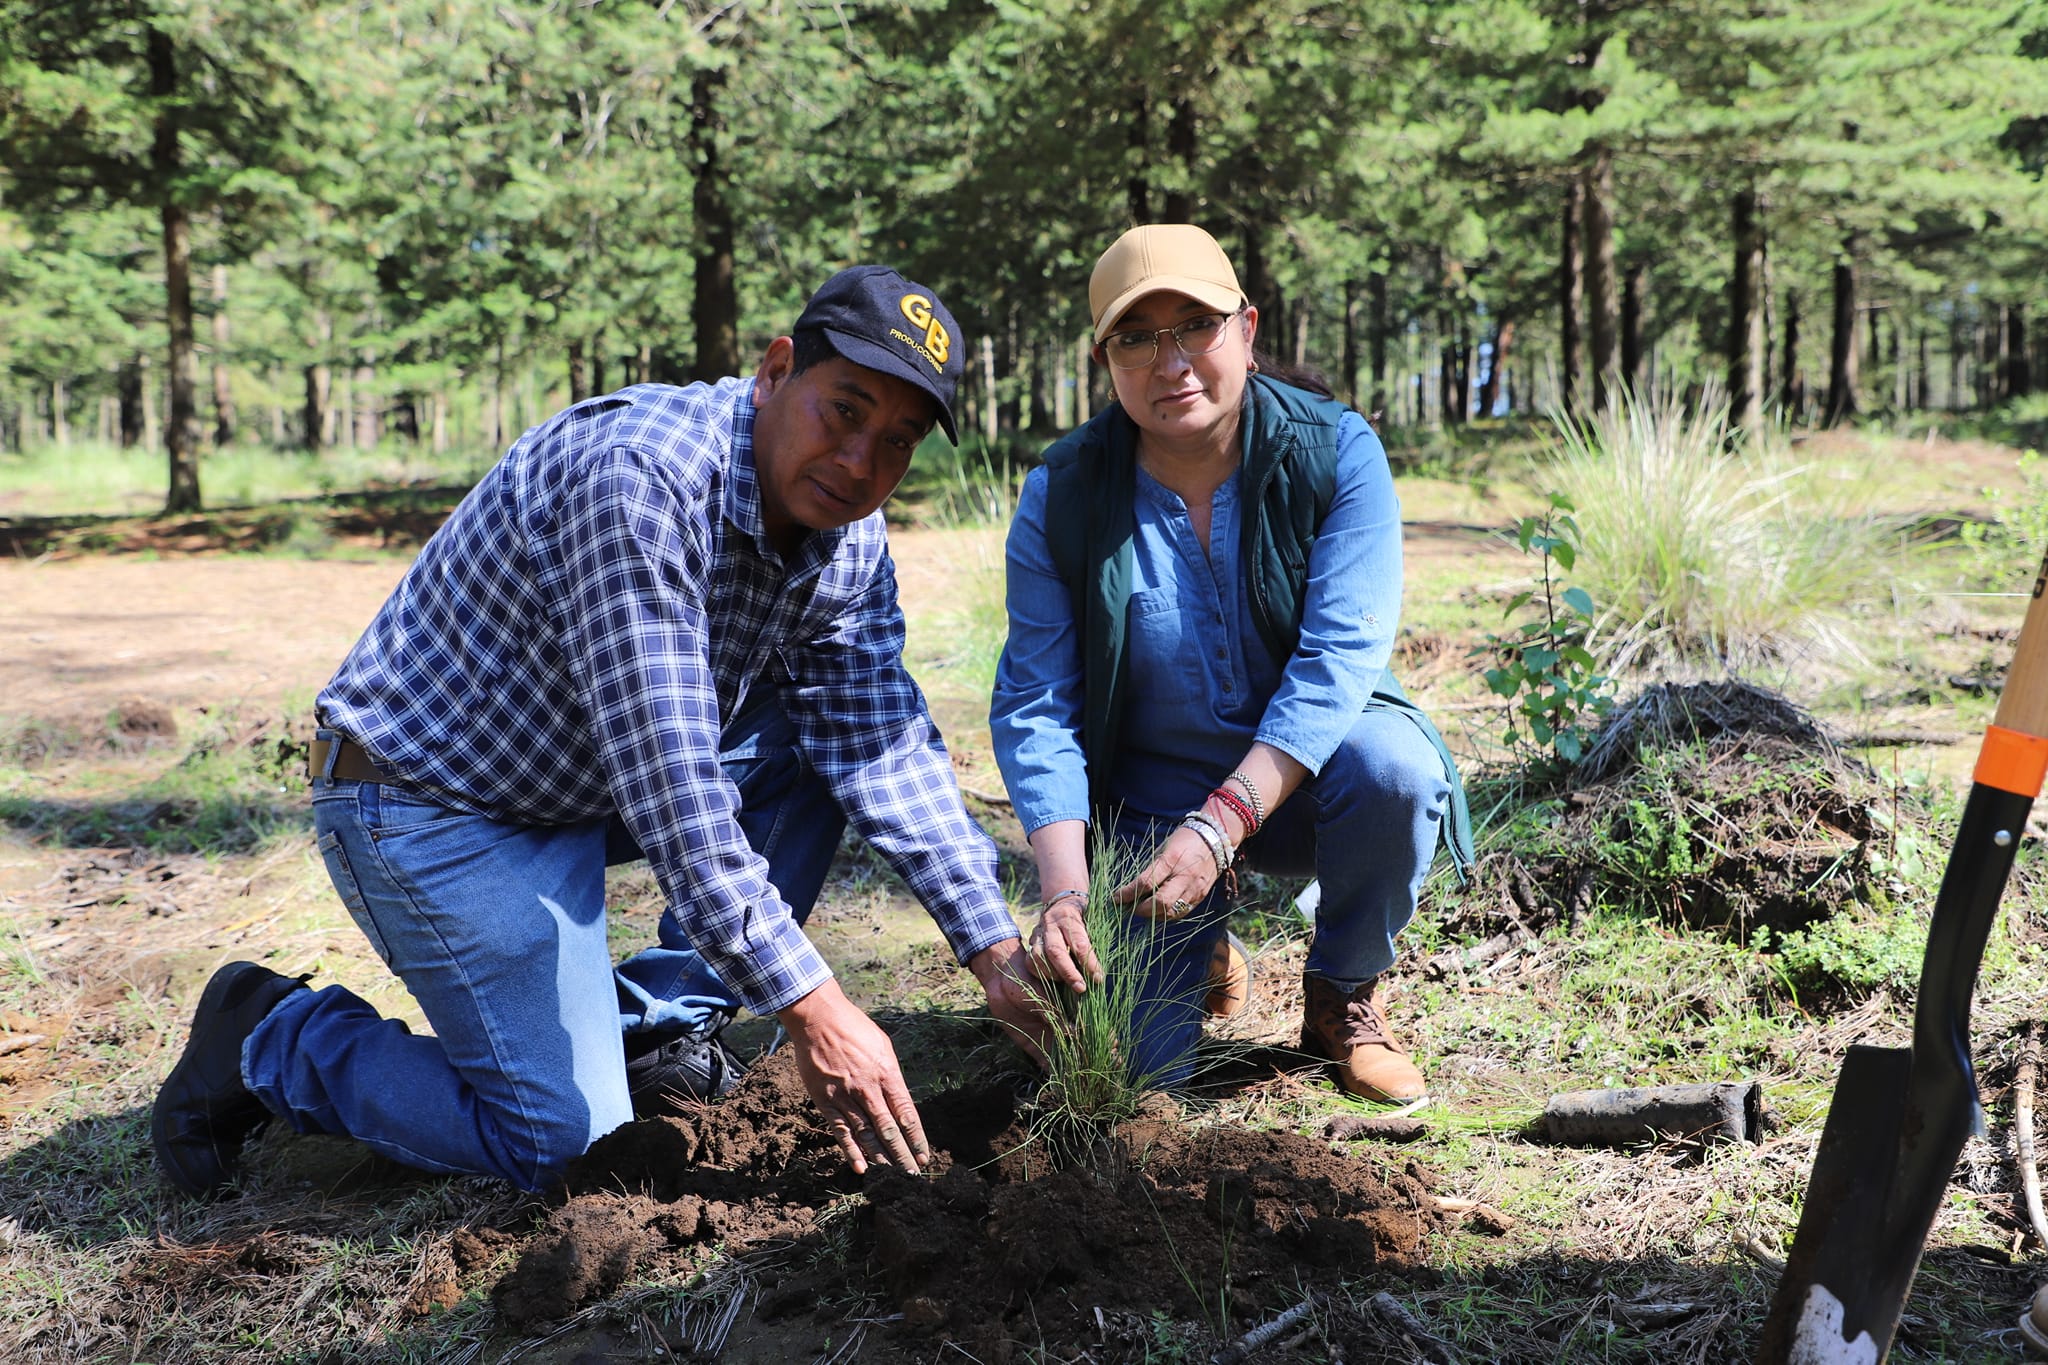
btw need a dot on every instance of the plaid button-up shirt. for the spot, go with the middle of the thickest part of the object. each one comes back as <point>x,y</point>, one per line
<point>570,643</point>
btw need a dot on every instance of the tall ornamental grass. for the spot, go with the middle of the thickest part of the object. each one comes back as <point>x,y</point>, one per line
<point>1702,549</point>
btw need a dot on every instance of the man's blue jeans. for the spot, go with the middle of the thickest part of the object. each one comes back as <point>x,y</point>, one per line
<point>498,930</point>
<point>1367,826</point>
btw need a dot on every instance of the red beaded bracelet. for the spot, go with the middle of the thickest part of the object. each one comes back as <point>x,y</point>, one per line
<point>1237,806</point>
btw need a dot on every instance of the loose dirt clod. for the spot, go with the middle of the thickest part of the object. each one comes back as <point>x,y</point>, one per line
<point>991,1248</point>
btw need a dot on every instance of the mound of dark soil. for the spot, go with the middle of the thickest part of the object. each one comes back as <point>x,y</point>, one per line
<point>993,1247</point>
<point>1714,805</point>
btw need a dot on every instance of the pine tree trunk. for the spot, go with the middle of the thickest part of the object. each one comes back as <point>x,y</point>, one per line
<point>715,309</point>
<point>363,396</point>
<point>128,387</point>
<point>147,390</point>
<point>2020,366</point>
<point>319,407</point>
<point>1602,296</point>
<point>1570,300</point>
<point>1842,347</point>
<point>1792,386</point>
<point>1137,186</point>
<point>1180,145</point>
<point>1348,389</point>
<point>1746,315</point>
<point>1379,342</point>
<point>990,417</point>
<point>579,372</point>
<point>223,390</point>
<point>1632,283</point>
<point>182,433</point>
<point>1492,391</point>
<point>1921,374</point>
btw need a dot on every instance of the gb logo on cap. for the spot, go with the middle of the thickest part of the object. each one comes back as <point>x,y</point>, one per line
<point>936,344</point>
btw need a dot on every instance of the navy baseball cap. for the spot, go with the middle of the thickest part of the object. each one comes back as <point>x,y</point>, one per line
<point>883,322</point>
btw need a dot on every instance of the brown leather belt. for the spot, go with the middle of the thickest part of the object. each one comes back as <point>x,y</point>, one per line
<point>351,764</point>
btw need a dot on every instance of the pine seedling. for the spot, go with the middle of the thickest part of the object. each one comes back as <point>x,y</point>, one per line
<point>1093,1082</point>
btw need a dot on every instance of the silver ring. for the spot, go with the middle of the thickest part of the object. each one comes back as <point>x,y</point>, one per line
<point>1181,908</point>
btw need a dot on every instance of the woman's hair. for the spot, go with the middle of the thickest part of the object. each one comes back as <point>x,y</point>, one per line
<point>1300,376</point>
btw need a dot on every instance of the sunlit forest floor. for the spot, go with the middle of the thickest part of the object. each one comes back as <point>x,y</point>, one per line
<point>154,699</point>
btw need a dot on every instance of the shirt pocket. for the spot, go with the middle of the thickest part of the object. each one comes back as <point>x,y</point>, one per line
<point>1166,646</point>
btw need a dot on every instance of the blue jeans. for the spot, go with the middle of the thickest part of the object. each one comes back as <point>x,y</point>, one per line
<point>498,930</point>
<point>1366,826</point>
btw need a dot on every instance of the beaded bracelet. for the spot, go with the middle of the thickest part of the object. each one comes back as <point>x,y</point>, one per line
<point>1236,806</point>
<point>1251,793</point>
<point>1213,835</point>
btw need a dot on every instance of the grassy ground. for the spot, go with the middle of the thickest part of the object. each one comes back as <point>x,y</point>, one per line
<point>133,861</point>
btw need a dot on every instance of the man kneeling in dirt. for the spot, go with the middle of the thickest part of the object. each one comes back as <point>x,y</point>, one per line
<point>664,625</point>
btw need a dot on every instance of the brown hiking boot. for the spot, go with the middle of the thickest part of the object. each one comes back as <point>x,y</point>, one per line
<point>1351,1032</point>
<point>1230,978</point>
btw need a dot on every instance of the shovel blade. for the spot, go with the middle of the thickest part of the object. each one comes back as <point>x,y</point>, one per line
<point>1840,1295</point>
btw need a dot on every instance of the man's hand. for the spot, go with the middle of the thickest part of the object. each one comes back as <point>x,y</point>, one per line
<point>1005,976</point>
<point>850,1070</point>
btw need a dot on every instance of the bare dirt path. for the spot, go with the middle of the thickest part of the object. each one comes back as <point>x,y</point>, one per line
<point>84,635</point>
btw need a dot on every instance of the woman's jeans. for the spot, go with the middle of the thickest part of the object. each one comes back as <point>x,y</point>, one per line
<point>498,930</point>
<point>1366,826</point>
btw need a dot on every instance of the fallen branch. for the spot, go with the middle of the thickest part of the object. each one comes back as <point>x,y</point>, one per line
<point>1881,739</point>
<point>1432,1346</point>
<point>2023,1129</point>
<point>986,798</point>
<point>1240,1350</point>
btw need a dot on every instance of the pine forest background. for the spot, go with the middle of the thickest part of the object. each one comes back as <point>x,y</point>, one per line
<point>303,225</point>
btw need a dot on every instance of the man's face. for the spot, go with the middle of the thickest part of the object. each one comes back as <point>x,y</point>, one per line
<point>830,444</point>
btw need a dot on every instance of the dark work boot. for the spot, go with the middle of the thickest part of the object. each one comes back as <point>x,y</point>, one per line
<point>665,1071</point>
<point>204,1113</point>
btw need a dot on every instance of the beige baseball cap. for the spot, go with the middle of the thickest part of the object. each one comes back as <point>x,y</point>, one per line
<point>1176,256</point>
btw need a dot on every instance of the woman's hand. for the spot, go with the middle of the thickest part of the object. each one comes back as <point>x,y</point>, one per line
<point>1060,950</point>
<point>1175,881</point>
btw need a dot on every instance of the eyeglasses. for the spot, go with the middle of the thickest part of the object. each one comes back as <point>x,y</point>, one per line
<point>1197,336</point>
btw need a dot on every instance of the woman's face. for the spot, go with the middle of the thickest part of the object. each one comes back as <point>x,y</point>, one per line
<point>1178,397</point>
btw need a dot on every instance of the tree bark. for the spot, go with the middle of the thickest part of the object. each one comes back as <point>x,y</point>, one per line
<point>989,416</point>
<point>128,387</point>
<point>1137,188</point>
<point>1379,341</point>
<point>60,416</point>
<point>1570,299</point>
<point>1602,298</point>
<point>2019,366</point>
<point>1792,385</point>
<point>1746,315</point>
<point>223,390</point>
<point>368,414</point>
<point>1842,347</point>
<point>579,371</point>
<point>1180,145</point>
<point>1492,391</point>
<point>1632,282</point>
<point>1348,390</point>
<point>182,432</point>
<point>715,309</point>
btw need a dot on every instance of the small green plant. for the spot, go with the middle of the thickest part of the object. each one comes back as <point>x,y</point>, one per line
<point>2006,550</point>
<point>1544,665</point>
<point>1092,1080</point>
<point>1848,957</point>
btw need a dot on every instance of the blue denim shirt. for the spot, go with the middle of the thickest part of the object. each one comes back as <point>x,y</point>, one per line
<point>1204,686</point>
